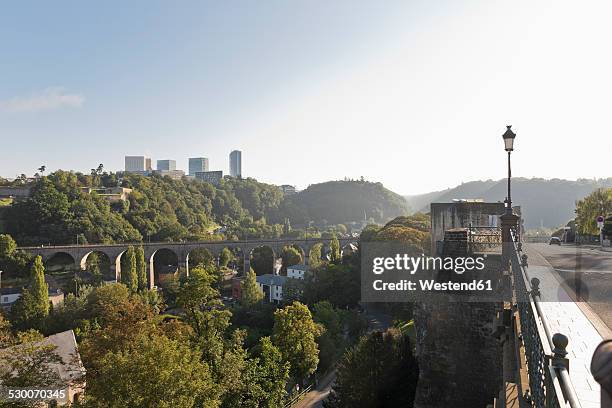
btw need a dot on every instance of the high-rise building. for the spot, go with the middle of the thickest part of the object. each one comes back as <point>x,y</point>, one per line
<point>169,165</point>
<point>137,164</point>
<point>197,165</point>
<point>236,163</point>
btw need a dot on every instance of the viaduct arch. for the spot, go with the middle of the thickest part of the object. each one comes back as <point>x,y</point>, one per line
<point>114,252</point>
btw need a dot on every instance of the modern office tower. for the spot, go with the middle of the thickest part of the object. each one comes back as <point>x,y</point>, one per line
<point>137,164</point>
<point>169,165</point>
<point>236,163</point>
<point>212,177</point>
<point>197,164</point>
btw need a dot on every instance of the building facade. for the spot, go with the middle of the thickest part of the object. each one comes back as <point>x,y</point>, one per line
<point>173,174</point>
<point>168,165</point>
<point>198,165</point>
<point>212,177</point>
<point>297,271</point>
<point>236,163</point>
<point>137,164</point>
<point>272,287</point>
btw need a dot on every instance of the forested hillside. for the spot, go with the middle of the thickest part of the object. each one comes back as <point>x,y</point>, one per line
<point>338,202</point>
<point>550,203</point>
<point>161,209</point>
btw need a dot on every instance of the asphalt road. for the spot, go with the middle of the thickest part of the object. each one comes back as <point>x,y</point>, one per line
<point>585,270</point>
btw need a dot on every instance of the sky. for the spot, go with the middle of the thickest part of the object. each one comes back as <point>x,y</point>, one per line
<point>414,94</point>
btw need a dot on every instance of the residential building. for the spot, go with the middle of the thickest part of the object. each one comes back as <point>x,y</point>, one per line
<point>272,287</point>
<point>137,164</point>
<point>16,192</point>
<point>288,189</point>
<point>167,165</point>
<point>235,163</point>
<point>198,165</point>
<point>68,366</point>
<point>8,296</point>
<point>212,177</point>
<point>297,271</point>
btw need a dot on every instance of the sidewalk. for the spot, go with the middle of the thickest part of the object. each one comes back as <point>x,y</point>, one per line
<point>582,327</point>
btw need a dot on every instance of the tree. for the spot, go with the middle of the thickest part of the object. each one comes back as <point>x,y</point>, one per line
<point>42,169</point>
<point>380,371</point>
<point>141,268</point>
<point>314,258</point>
<point>263,260</point>
<point>129,273</point>
<point>39,288</point>
<point>250,293</point>
<point>226,257</point>
<point>290,256</point>
<point>8,246</point>
<point>139,376</point>
<point>93,267</point>
<point>599,202</point>
<point>295,334</point>
<point>334,247</point>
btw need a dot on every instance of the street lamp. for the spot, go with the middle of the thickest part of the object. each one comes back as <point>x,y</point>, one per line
<point>508,137</point>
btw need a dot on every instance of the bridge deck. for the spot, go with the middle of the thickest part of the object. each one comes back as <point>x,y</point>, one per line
<point>583,328</point>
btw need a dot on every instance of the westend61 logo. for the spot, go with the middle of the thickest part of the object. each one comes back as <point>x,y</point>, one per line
<point>392,272</point>
<point>404,262</point>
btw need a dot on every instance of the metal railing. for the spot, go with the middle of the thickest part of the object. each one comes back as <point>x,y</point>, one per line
<point>550,385</point>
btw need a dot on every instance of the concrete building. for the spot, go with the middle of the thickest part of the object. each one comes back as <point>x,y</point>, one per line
<point>212,177</point>
<point>235,158</point>
<point>198,165</point>
<point>167,165</point>
<point>137,164</point>
<point>111,194</point>
<point>297,271</point>
<point>173,174</point>
<point>16,192</point>
<point>272,287</point>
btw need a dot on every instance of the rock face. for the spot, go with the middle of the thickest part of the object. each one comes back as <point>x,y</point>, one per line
<point>460,360</point>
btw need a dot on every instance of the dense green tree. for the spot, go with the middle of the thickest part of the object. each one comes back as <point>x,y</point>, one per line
<point>290,256</point>
<point>38,287</point>
<point>250,293</point>
<point>380,371</point>
<point>334,249</point>
<point>154,371</point>
<point>129,273</point>
<point>599,202</point>
<point>226,257</point>
<point>141,268</point>
<point>295,334</point>
<point>8,246</point>
<point>331,341</point>
<point>314,258</point>
<point>262,260</point>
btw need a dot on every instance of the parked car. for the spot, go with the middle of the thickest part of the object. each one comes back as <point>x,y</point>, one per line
<point>554,241</point>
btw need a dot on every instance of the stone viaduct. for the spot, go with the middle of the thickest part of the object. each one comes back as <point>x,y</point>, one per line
<point>79,253</point>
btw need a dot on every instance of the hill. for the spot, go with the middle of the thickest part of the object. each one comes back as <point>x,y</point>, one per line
<point>547,203</point>
<point>344,201</point>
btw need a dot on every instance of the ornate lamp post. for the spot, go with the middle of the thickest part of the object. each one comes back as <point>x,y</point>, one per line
<point>509,136</point>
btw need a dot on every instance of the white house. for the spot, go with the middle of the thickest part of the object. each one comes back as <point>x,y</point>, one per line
<point>272,287</point>
<point>8,296</point>
<point>297,271</point>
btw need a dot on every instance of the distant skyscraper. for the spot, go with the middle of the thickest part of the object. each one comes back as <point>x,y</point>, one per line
<point>137,164</point>
<point>236,163</point>
<point>169,165</point>
<point>197,165</point>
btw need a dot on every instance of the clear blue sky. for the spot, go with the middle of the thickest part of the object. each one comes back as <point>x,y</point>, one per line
<point>309,90</point>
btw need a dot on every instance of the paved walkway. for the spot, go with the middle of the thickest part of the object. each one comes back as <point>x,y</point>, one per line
<point>575,320</point>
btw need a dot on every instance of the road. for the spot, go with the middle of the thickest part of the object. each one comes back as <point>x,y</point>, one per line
<point>586,270</point>
<point>315,398</point>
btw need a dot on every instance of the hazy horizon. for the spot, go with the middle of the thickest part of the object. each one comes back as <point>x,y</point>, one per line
<point>415,95</point>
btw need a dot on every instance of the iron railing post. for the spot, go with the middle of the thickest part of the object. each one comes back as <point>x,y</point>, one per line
<point>601,368</point>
